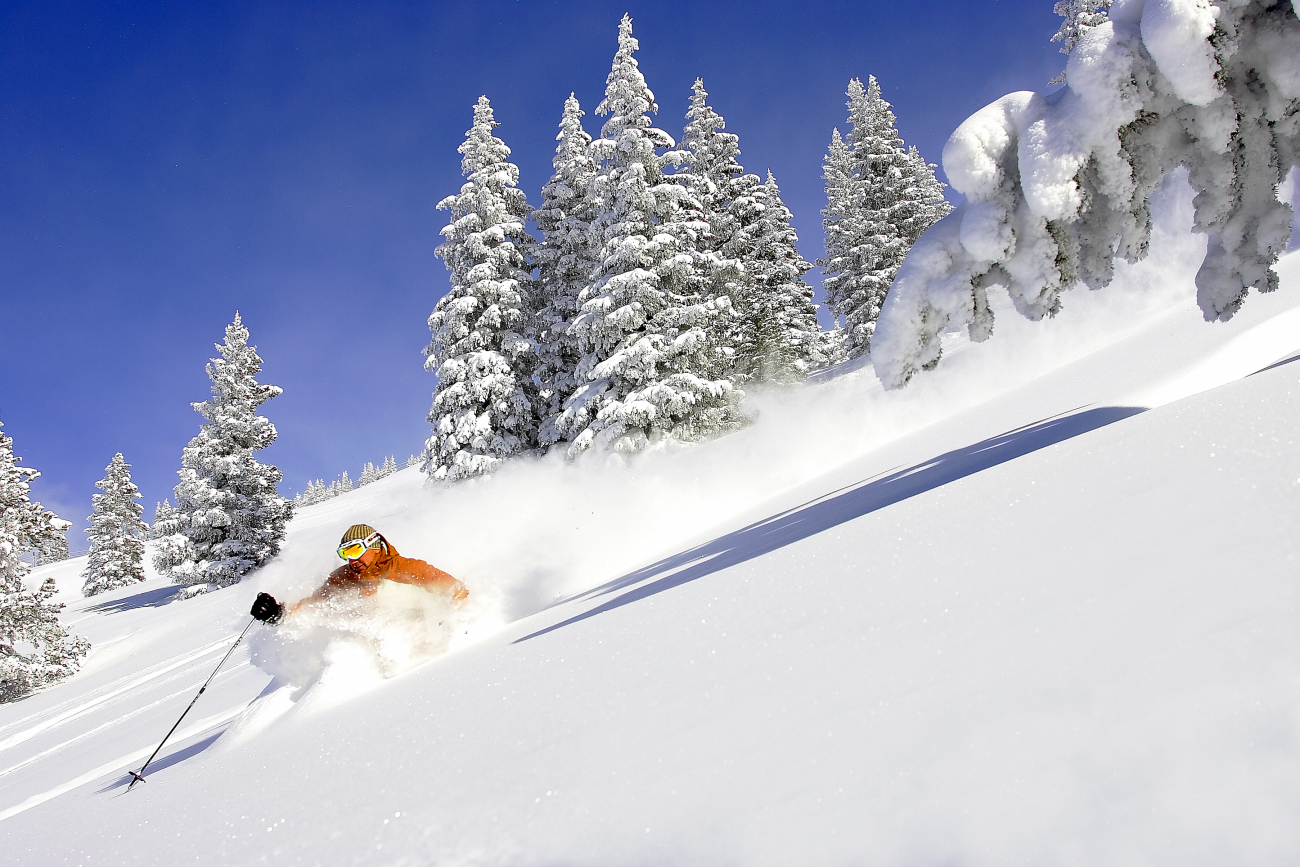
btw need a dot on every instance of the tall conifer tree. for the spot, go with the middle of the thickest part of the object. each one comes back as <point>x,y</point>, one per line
<point>880,197</point>
<point>716,178</point>
<point>728,209</point>
<point>567,258</point>
<point>483,408</point>
<point>116,532</point>
<point>35,649</point>
<point>647,365</point>
<point>780,337</point>
<point>230,518</point>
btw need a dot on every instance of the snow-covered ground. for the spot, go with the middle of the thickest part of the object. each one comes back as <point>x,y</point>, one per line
<point>1040,607</point>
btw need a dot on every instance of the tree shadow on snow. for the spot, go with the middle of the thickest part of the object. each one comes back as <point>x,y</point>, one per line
<point>839,507</point>
<point>147,599</point>
<point>167,761</point>
<point>1287,360</point>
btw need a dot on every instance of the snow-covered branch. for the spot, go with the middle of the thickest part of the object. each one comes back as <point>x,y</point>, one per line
<point>1058,185</point>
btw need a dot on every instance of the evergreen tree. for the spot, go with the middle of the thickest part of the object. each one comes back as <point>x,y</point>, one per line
<point>715,177</point>
<point>413,461</point>
<point>164,517</point>
<point>780,338</point>
<point>344,484</point>
<point>230,517</point>
<point>841,221</point>
<point>647,359</point>
<point>368,474</point>
<point>1080,17</point>
<point>388,467</point>
<point>35,649</point>
<point>54,549</point>
<point>880,198</point>
<point>567,258</point>
<point>116,532</point>
<point>483,408</point>
<point>728,212</point>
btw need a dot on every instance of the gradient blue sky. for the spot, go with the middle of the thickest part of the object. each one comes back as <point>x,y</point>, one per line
<point>164,164</point>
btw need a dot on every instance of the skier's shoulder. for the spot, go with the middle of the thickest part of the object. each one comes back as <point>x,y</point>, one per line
<point>341,575</point>
<point>411,565</point>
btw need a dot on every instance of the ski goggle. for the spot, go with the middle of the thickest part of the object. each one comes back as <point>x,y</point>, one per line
<point>357,547</point>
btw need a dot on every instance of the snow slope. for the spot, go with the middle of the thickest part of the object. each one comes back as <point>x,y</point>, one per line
<point>1040,607</point>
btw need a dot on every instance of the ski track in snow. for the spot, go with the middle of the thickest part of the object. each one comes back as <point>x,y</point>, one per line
<point>85,707</point>
<point>120,763</point>
<point>167,699</point>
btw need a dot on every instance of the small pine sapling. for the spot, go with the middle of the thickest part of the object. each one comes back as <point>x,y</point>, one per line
<point>116,532</point>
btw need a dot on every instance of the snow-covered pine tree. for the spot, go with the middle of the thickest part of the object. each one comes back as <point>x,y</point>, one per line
<point>163,513</point>
<point>567,258</point>
<point>344,483</point>
<point>231,518</point>
<point>55,548</point>
<point>483,408</point>
<point>1080,17</point>
<point>713,173</point>
<point>780,339</point>
<point>368,474</point>
<point>880,198</point>
<point>332,490</point>
<point>841,222</point>
<point>728,209</point>
<point>116,532</point>
<point>646,370</point>
<point>413,461</point>
<point>35,649</point>
<point>388,467</point>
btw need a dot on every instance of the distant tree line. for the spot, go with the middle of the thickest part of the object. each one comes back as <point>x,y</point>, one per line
<point>318,491</point>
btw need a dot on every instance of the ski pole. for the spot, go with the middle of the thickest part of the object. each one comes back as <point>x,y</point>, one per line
<point>138,776</point>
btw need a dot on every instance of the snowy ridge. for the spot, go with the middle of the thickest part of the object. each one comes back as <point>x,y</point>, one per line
<point>1038,607</point>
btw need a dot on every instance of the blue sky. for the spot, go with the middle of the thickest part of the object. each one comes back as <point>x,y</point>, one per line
<point>162,165</point>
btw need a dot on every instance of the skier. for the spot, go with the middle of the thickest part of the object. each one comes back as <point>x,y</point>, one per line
<point>369,559</point>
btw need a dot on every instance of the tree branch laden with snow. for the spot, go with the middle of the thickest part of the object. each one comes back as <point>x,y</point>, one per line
<point>1058,186</point>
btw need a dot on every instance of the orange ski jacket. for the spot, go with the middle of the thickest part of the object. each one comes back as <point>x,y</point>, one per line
<point>389,566</point>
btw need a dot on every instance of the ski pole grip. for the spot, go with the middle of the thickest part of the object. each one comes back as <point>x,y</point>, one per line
<point>266,609</point>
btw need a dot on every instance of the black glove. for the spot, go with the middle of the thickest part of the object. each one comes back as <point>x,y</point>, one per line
<point>266,609</point>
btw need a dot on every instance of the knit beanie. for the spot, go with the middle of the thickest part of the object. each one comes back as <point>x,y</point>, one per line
<point>355,532</point>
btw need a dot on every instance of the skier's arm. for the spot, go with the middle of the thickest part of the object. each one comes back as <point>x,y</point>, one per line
<point>338,580</point>
<point>431,578</point>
